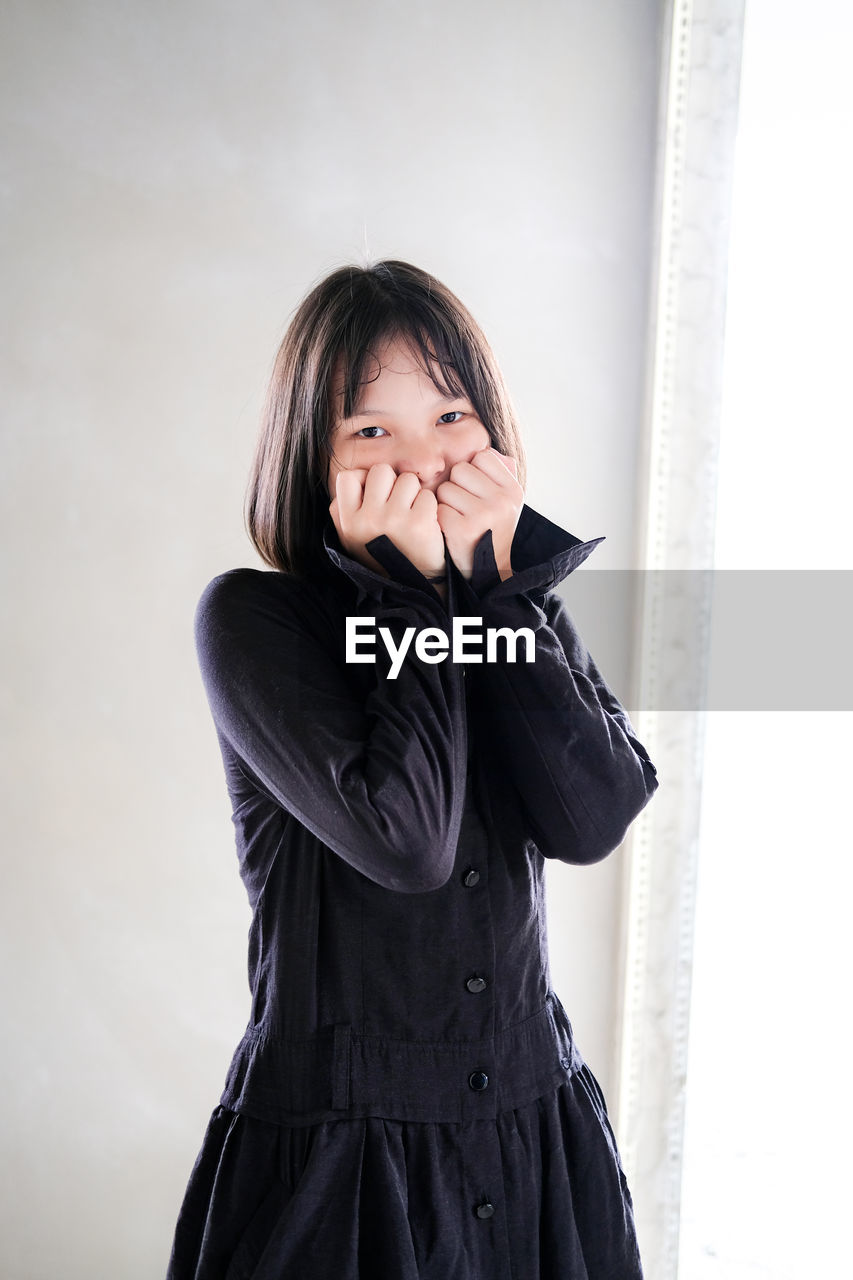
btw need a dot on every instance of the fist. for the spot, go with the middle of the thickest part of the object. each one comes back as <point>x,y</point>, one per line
<point>481,494</point>
<point>374,501</point>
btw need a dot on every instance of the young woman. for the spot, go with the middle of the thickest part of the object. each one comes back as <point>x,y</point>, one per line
<point>408,1101</point>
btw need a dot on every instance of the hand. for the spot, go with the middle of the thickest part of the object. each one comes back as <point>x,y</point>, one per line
<point>374,501</point>
<point>481,494</point>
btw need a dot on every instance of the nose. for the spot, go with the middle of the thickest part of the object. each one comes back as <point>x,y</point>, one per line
<point>428,463</point>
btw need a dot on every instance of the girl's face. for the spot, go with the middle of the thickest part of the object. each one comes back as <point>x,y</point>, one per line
<point>402,418</point>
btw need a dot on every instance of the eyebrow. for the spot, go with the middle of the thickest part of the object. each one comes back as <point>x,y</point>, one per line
<point>387,413</point>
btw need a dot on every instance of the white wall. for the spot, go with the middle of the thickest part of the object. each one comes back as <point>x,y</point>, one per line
<point>178,175</point>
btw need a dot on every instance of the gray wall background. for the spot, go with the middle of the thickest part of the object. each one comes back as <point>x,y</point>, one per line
<point>175,177</point>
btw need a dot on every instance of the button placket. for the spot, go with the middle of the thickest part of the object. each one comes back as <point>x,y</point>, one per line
<point>482,1082</point>
<point>477,1080</point>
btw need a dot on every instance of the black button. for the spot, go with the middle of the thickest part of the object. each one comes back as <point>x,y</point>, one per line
<point>476,984</point>
<point>485,1210</point>
<point>478,1080</point>
<point>470,878</point>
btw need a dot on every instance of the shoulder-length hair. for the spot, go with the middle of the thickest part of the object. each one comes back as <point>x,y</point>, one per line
<point>334,333</point>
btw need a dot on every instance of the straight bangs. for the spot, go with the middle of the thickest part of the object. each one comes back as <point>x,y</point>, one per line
<point>443,337</point>
<point>445,361</point>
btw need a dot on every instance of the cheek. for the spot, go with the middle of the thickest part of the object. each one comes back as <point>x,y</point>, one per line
<point>477,438</point>
<point>471,441</point>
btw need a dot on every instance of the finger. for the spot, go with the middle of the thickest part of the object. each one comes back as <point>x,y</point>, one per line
<point>462,500</point>
<point>349,488</point>
<point>495,464</point>
<point>378,485</point>
<point>450,522</point>
<point>475,479</point>
<point>405,490</point>
<point>425,502</point>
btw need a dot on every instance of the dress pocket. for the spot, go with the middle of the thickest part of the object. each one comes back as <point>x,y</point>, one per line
<point>292,1151</point>
<point>593,1091</point>
<point>251,1245</point>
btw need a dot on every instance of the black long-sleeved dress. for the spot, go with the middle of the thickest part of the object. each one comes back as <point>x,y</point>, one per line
<point>408,1100</point>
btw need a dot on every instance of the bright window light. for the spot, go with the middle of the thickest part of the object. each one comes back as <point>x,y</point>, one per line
<point>769,1116</point>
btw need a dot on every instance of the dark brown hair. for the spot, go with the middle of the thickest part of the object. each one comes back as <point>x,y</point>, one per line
<point>335,332</point>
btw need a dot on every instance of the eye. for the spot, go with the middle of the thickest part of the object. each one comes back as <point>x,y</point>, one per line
<point>453,416</point>
<point>371,430</point>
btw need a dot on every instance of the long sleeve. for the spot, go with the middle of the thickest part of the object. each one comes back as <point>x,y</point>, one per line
<point>374,767</point>
<point>581,774</point>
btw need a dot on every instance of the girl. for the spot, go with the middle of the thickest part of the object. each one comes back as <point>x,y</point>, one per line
<point>408,1101</point>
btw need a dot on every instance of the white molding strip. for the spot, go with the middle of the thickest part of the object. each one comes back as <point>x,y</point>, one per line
<point>700,76</point>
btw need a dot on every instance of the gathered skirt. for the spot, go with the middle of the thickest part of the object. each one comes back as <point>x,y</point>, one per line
<point>537,1193</point>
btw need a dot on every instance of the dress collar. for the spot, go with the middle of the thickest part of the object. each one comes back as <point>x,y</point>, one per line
<point>543,554</point>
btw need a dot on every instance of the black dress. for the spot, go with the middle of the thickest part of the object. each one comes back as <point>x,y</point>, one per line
<point>408,1102</point>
